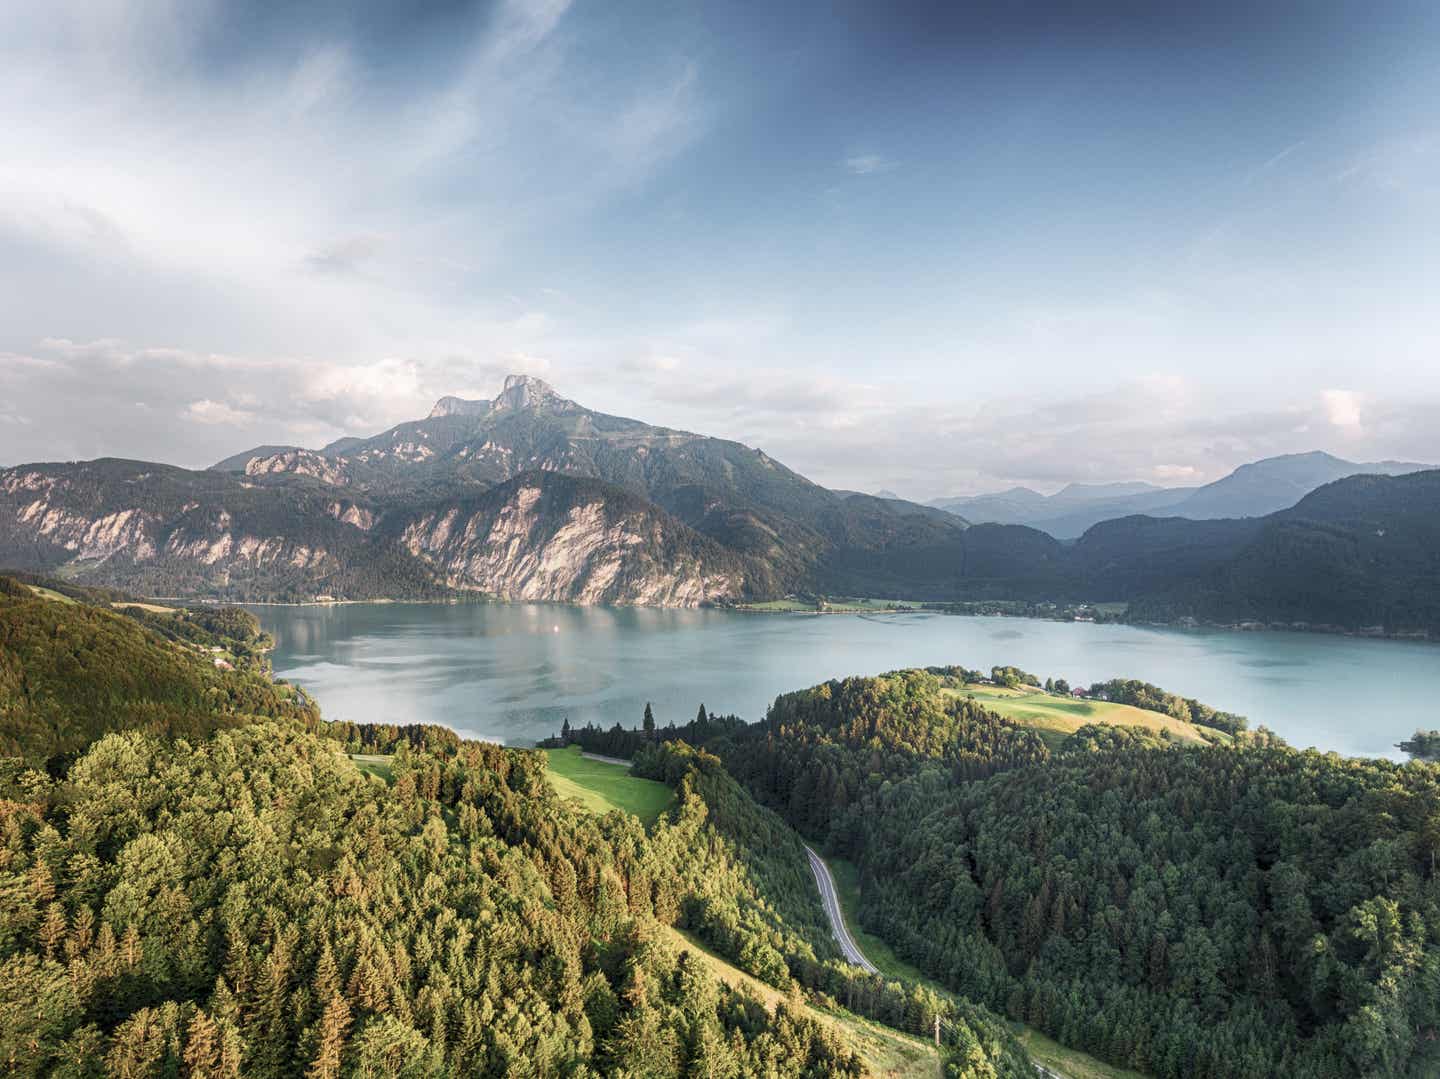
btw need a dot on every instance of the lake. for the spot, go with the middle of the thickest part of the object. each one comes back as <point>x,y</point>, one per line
<point>513,672</point>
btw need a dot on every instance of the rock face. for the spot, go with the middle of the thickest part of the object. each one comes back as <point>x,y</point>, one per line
<point>542,536</point>
<point>168,531</point>
<point>299,463</point>
<point>626,512</point>
<point>456,406</point>
<point>546,537</point>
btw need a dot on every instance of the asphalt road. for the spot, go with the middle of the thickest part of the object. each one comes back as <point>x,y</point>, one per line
<point>831,899</point>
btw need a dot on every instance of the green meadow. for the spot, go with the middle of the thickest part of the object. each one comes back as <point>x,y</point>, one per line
<point>601,787</point>
<point>1056,717</point>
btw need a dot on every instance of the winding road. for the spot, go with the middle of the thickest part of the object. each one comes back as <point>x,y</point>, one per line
<point>831,899</point>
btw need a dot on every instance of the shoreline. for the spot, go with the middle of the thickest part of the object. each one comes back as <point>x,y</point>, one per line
<point>917,607</point>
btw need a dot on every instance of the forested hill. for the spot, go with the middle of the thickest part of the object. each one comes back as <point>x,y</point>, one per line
<point>1191,911</point>
<point>1360,552</point>
<point>188,899</point>
<point>71,672</point>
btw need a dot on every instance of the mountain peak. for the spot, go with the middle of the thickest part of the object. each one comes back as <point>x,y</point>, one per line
<point>519,393</point>
<point>524,391</point>
<point>458,406</point>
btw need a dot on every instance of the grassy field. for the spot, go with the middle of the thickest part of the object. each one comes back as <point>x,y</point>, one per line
<point>601,787</point>
<point>375,764</point>
<point>1067,1062</point>
<point>49,593</point>
<point>888,1053</point>
<point>153,608</point>
<point>1055,717</point>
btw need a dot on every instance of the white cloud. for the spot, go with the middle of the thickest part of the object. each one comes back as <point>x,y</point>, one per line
<point>867,164</point>
<point>1343,410</point>
<point>214,412</point>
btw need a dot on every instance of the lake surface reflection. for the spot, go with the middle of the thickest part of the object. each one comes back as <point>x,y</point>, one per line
<point>513,672</point>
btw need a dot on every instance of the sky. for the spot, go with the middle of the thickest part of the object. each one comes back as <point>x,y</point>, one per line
<point>928,247</point>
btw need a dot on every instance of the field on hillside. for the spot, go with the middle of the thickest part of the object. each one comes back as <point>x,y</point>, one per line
<point>888,1052</point>
<point>49,593</point>
<point>1055,717</point>
<point>601,787</point>
<point>375,764</point>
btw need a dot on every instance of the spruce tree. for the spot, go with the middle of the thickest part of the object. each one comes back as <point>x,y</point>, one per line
<point>333,1026</point>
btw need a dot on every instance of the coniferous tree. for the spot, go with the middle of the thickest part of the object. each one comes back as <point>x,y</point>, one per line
<point>334,1025</point>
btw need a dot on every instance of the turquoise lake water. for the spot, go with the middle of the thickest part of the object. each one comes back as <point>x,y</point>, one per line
<point>513,672</point>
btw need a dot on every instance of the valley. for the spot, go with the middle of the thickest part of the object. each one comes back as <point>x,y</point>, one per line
<point>719,541</point>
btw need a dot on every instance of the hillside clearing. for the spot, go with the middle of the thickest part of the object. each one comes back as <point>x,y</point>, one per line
<point>153,608</point>
<point>1056,717</point>
<point>887,1052</point>
<point>375,764</point>
<point>49,593</point>
<point>601,786</point>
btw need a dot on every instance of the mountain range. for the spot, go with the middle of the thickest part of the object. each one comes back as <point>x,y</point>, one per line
<point>1252,490</point>
<point>532,496</point>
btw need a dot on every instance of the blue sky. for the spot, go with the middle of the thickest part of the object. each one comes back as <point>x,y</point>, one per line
<point>937,248</point>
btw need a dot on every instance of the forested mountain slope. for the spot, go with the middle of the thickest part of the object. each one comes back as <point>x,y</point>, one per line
<point>1189,911</point>
<point>247,901</point>
<point>71,672</point>
<point>1357,553</point>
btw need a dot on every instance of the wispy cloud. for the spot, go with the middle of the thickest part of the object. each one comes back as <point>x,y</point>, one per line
<point>867,164</point>
<point>1272,162</point>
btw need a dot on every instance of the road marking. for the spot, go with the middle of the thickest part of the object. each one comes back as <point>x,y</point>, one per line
<point>830,900</point>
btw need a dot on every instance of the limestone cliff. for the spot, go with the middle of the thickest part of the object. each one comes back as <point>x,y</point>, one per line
<point>544,536</point>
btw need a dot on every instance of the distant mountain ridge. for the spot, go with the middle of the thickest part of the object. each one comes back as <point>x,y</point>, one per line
<point>1252,490</point>
<point>531,496</point>
<point>738,496</point>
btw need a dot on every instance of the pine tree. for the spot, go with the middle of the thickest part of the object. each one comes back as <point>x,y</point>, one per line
<point>327,975</point>
<point>202,1049</point>
<point>232,1052</point>
<point>130,953</point>
<point>700,717</point>
<point>52,929</point>
<point>334,1025</point>
<point>649,723</point>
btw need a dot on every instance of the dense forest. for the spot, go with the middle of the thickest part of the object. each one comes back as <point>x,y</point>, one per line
<point>69,672</point>
<point>1196,911</point>
<point>232,895</point>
